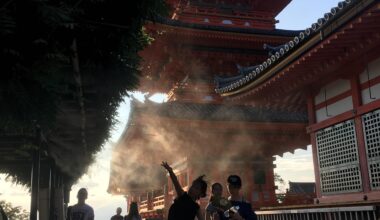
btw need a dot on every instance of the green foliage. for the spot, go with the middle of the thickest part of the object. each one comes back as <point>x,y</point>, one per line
<point>14,212</point>
<point>280,197</point>
<point>36,38</point>
<point>279,181</point>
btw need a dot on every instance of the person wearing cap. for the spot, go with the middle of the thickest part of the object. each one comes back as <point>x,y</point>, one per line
<point>81,211</point>
<point>245,211</point>
<point>185,206</point>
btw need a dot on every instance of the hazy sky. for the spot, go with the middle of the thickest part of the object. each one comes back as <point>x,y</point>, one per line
<point>295,167</point>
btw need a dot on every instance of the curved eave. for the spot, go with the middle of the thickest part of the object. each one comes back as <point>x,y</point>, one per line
<point>225,29</point>
<point>275,69</point>
<point>181,34</point>
<point>300,48</point>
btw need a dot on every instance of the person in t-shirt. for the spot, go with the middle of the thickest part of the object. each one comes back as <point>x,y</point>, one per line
<point>118,215</point>
<point>185,206</point>
<point>81,211</point>
<point>245,211</point>
<point>217,204</point>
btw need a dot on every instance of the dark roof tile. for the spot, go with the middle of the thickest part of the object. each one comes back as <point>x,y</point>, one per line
<point>301,187</point>
<point>215,112</point>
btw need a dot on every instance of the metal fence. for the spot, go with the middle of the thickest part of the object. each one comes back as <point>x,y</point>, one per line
<point>336,213</point>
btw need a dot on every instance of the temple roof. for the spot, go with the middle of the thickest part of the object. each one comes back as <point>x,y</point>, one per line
<point>195,51</point>
<point>243,13</point>
<point>275,32</point>
<point>288,52</point>
<point>301,187</point>
<point>216,112</point>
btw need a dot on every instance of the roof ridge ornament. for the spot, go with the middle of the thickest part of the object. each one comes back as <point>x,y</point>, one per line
<point>245,69</point>
<point>272,49</point>
<point>246,73</point>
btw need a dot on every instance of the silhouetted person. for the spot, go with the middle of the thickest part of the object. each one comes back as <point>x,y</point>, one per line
<point>118,215</point>
<point>217,204</point>
<point>133,213</point>
<point>245,211</point>
<point>3,216</point>
<point>81,211</point>
<point>185,206</point>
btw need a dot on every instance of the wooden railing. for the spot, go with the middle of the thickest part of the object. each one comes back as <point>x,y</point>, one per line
<point>159,202</point>
<point>334,213</point>
<point>143,206</point>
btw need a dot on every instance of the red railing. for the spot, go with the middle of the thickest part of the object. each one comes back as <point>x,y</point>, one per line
<point>159,202</point>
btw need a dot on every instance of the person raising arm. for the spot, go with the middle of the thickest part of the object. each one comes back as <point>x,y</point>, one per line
<point>174,179</point>
<point>185,206</point>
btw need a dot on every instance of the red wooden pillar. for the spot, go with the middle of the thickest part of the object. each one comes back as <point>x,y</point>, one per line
<point>311,109</point>
<point>250,186</point>
<point>271,185</point>
<point>312,120</point>
<point>357,102</point>
<point>316,165</point>
<point>190,174</point>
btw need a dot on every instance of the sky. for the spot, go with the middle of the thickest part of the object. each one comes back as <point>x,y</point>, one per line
<point>298,15</point>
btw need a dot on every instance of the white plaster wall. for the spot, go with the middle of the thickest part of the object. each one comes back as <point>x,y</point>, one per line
<point>334,109</point>
<point>332,89</point>
<point>373,71</point>
<point>375,94</point>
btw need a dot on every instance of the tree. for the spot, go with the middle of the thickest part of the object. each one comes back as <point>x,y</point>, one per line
<point>280,183</point>
<point>37,39</point>
<point>14,212</point>
<point>56,52</point>
<point>278,179</point>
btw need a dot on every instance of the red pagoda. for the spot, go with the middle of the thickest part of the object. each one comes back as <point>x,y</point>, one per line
<point>202,39</point>
<point>195,130</point>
